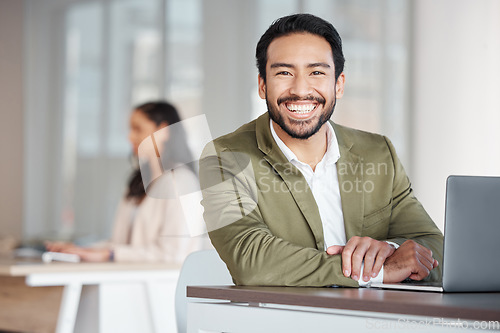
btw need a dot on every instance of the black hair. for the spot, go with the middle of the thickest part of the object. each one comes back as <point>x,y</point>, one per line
<point>300,23</point>
<point>161,112</point>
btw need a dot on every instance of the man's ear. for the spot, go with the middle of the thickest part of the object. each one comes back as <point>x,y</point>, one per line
<point>262,87</point>
<point>339,86</point>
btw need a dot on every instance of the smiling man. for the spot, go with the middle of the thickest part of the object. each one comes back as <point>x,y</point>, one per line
<point>294,199</point>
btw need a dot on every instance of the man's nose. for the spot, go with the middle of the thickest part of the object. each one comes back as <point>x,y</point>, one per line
<point>301,86</point>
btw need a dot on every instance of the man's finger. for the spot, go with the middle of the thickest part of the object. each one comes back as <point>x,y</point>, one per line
<point>347,254</point>
<point>379,262</point>
<point>421,272</point>
<point>424,260</point>
<point>346,260</point>
<point>357,259</point>
<point>422,266</point>
<point>425,252</point>
<point>335,249</point>
<point>370,258</point>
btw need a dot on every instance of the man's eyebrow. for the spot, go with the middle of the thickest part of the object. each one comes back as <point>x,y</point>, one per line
<point>312,65</point>
<point>281,64</point>
<point>318,64</point>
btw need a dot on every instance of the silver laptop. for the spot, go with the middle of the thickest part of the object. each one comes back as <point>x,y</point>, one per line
<point>471,238</point>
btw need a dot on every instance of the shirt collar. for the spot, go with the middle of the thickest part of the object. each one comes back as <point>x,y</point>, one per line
<point>331,156</point>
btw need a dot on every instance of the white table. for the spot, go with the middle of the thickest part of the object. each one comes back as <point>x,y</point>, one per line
<point>87,297</point>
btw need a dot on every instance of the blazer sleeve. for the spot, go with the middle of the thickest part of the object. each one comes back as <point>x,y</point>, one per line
<point>253,255</point>
<point>409,220</point>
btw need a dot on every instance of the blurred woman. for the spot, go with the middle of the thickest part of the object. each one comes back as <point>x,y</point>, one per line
<point>149,227</point>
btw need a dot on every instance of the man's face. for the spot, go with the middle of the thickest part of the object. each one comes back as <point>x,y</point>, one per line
<point>300,88</point>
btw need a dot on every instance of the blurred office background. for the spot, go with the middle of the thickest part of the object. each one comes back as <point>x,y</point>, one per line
<point>425,73</point>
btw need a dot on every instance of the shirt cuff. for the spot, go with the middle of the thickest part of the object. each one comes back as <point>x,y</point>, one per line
<point>378,279</point>
<point>396,245</point>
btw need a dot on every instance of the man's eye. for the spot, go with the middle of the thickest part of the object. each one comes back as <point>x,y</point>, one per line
<point>283,73</point>
<point>317,73</point>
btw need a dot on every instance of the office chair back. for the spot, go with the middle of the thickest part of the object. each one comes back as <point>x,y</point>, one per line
<point>202,268</point>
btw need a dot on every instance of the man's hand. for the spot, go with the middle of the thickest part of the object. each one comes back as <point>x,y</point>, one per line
<point>410,260</point>
<point>359,249</point>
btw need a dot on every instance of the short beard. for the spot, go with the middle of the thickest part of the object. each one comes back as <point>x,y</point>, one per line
<point>304,132</point>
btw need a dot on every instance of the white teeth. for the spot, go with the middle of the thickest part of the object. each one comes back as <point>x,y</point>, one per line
<point>301,108</point>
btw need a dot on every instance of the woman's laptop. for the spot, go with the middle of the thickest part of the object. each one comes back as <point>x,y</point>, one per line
<point>471,238</point>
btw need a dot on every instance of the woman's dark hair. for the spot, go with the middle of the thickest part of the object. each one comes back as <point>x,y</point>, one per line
<point>300,23</point>
<point>176,148</point>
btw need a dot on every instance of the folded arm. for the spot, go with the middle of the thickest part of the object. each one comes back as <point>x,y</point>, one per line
<point>420,241</point>
<point>253,255</point>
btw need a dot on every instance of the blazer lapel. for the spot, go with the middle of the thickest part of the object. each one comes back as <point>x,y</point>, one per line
<point>350,175</point>
<point>291,177</point>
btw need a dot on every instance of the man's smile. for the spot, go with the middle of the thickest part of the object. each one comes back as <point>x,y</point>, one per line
<point>301,108</point>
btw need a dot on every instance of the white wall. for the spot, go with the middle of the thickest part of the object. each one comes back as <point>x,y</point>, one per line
<point>11,117</point>
<point>456,114</point>
<point>456,95</point>
<point>229,66</point>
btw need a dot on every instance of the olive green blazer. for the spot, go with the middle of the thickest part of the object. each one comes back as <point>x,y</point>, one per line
<point>264,222</point>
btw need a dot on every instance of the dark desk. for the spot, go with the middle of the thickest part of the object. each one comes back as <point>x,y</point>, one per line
<point>364,309</point>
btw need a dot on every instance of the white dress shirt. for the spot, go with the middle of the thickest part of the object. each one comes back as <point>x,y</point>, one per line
<point>324,184</point>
